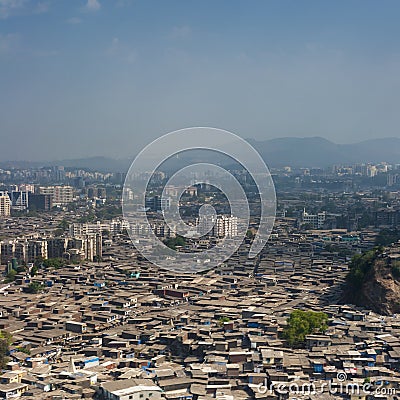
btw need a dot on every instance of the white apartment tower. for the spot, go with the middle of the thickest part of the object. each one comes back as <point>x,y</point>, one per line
<point>218,226</point>
<point>5,204</point>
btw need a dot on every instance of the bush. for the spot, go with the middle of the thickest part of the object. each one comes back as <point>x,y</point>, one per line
<point>396,269</point>
<point>387,237</point>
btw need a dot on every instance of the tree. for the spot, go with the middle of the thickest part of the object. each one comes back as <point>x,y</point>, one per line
<point>38,262</point>
<point>250,234</point>
<point>222,320</point>
<point>63,224</point>
<point>34,270</point>
<point>54,263</point>
<point>58,232</point>
<point>10,277</point>
<point>172,243</point>
<point>360,267</point>
<point>5,342</point>
<point>34,287</point>
<point>302,323</point>
<point>387,237</point>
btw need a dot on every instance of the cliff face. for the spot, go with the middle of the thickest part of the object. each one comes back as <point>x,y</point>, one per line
<point>382,290</point>
<point>378,288</point>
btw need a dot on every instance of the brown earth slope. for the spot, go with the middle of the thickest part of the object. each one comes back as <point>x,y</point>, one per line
<point>374,282</point>
<point>381,290</point>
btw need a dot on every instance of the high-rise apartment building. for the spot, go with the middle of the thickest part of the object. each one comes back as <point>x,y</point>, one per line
<point>19,200</point>
<point>85,247</point>
<point>218,226</point>
<point>61,194</point>
<point>5,204</point>
<point>40,201</point>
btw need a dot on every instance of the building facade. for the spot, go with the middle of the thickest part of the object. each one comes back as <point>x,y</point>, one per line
<point>61,195</point>
<point>5,204</point>
<point>217,226</point>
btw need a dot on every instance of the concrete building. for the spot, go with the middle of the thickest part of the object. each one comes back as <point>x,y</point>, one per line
<point>316,221</point>
<point>158,203</point>
<point>36,249</point>
<point>5,204</point>
<point>78,229</point>
<point>131,389</point>
<point>86,247</point>
<point>57,247</point>
<point>19,200</point>
<point>40,201</point>
<point>217,226</point>
<point>227,226</point>
<point>61,194</point>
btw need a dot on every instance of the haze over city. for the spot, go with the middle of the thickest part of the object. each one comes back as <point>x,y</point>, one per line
<point>199,200</point>
<point>104,78</point>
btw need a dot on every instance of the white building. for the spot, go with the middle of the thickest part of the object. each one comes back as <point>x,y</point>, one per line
<point>61,194</point>
<point>78,229</point>
<point>131,389</point>
<point>5,204</point>
<point>316,221</point>
<point>116,226</point>
<point>217,226</point>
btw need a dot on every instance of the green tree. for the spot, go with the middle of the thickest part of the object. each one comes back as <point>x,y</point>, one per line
<point>173,243</point>
<point>35,287</point>
<point>58,232</point>
<point>250,234</point>
<point>38,261</point>
<point>5,342</point>
<point>387,237</point>
<point>302,323</point>
<point>53,263</point>
<point>10,277</point>
<point>360,266</point>
<point>222,320</point>
<point>23,350</point>
<point>34,270</point>
<point>63,224</point>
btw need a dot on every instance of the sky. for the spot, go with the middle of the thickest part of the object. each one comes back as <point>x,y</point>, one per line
<point>82,78</point>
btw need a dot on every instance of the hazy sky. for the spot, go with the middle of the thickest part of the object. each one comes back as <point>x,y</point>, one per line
<point>104,77</point>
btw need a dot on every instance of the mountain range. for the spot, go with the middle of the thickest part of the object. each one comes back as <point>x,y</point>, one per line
<point>293,151</point>
<point>320,152</point>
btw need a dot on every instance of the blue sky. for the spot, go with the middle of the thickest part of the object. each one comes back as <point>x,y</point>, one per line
<point>84,78</point>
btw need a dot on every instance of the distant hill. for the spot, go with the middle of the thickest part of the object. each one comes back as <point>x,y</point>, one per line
<point>101,164</point>
<point>296,152</point>
<point>320,152</point>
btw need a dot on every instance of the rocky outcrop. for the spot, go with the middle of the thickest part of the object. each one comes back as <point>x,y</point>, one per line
<point>378,287</point>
